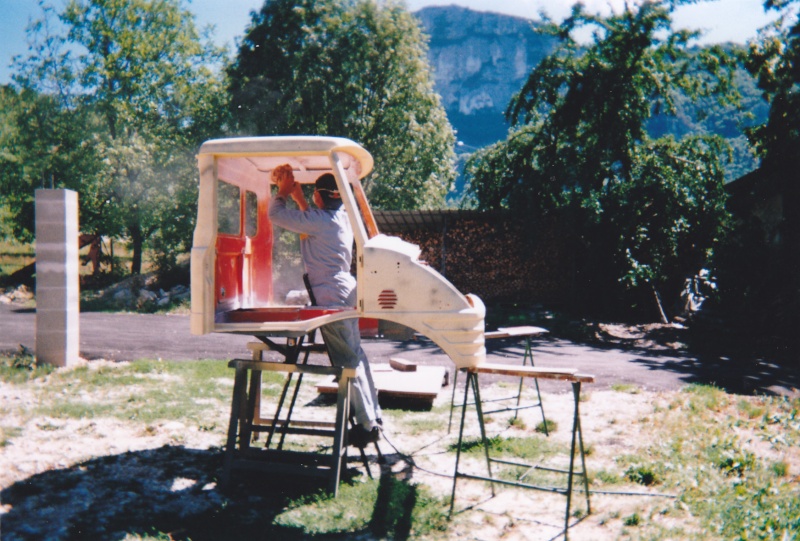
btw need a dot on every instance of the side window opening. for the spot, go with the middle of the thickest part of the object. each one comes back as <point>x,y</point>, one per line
<point>250,214</point>
<point>228,208</point>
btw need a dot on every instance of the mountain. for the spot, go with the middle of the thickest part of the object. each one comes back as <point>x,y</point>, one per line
<point>479,61</point>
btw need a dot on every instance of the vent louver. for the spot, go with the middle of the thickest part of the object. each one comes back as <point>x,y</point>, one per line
<point>387,299</point>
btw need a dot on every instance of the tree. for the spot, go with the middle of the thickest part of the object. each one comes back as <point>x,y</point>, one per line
<point>351,68</point>
<point>770,291</point>
<point>42,146</point>
<point>139,69</point>
<point>644,212</point>
<point>775,61</point>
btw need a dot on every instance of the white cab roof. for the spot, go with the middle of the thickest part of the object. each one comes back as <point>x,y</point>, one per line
<point>309,156</point>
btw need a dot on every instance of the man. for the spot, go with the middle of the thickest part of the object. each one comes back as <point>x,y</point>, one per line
<point>326,245</point>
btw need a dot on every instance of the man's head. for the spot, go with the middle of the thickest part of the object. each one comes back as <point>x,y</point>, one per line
<point>328,192</point>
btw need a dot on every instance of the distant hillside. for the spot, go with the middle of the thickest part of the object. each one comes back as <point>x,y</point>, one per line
<point>480,59</point>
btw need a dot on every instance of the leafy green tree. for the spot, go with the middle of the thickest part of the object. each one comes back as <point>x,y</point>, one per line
<point>350,68</point>
<point>643,213</point>
<point>154,90</point>
<point>661,227</point>
<point>729,120</point>
<point>774,60</point>
<point>42,146</point>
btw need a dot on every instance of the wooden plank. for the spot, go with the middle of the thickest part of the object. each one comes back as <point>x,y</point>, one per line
<point>402,365</point>
<point>424,383</point>
<point>567,374</point>
<point>258,346</point>
<point>524,330</point>
<point>270,366</point>
<point>494,335</point>
<point>311,346</point>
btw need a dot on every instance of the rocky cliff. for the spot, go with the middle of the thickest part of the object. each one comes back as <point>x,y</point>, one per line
<point>479,60</point>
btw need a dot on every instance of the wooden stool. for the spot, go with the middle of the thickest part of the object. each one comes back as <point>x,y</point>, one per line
<point>564,374</point>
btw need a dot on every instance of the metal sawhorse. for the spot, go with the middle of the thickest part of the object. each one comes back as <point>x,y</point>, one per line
<point>526,332</point>
<point>569,375</point>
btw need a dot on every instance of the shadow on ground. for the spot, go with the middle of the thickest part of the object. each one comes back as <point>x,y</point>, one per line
<point>618,353</point>
<point>733,364</point>
<point>173,490</point>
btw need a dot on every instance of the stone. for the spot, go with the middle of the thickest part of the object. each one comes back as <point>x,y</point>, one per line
<point>123,295</point>
<point>147,296</point>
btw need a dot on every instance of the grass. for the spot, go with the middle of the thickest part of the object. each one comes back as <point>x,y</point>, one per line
<point>21,367</point>
<point>632,520</point>
<point>146,391</point>
<point>547,426</point>
<point>388,508</point>
<point>14,256</point>
<point>706,454</point>
<point>728,462</point>
<point>8,433</point>
<point>417,424</point>
<point>625,388</point>
<point>642,474</point>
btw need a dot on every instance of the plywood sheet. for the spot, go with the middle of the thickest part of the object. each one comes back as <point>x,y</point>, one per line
<point>424,383</point>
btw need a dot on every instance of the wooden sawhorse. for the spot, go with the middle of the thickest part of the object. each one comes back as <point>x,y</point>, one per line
<point>526,332</point>
<point>245,420</point>
<point>564,374</point>
<point>292,351</point>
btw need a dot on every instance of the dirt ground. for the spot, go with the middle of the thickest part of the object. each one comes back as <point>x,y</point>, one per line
<point>84,463</point>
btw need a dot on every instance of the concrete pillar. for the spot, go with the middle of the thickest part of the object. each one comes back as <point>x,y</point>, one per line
<point>57,282</point>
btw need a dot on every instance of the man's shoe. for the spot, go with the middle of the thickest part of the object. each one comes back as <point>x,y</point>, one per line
<point>374,434</point>
<point>360,437</point>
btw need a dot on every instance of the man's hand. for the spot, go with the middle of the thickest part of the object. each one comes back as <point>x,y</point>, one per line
<point>285,182</point>
<point>283,177</point>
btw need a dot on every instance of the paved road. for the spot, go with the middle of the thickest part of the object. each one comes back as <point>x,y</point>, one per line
<point>138,336</point>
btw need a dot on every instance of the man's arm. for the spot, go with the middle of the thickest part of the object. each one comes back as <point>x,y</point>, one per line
<point>299,197</point>
<point>301,220</point>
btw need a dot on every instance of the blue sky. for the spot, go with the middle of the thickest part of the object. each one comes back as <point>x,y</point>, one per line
<point>722,20</point>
